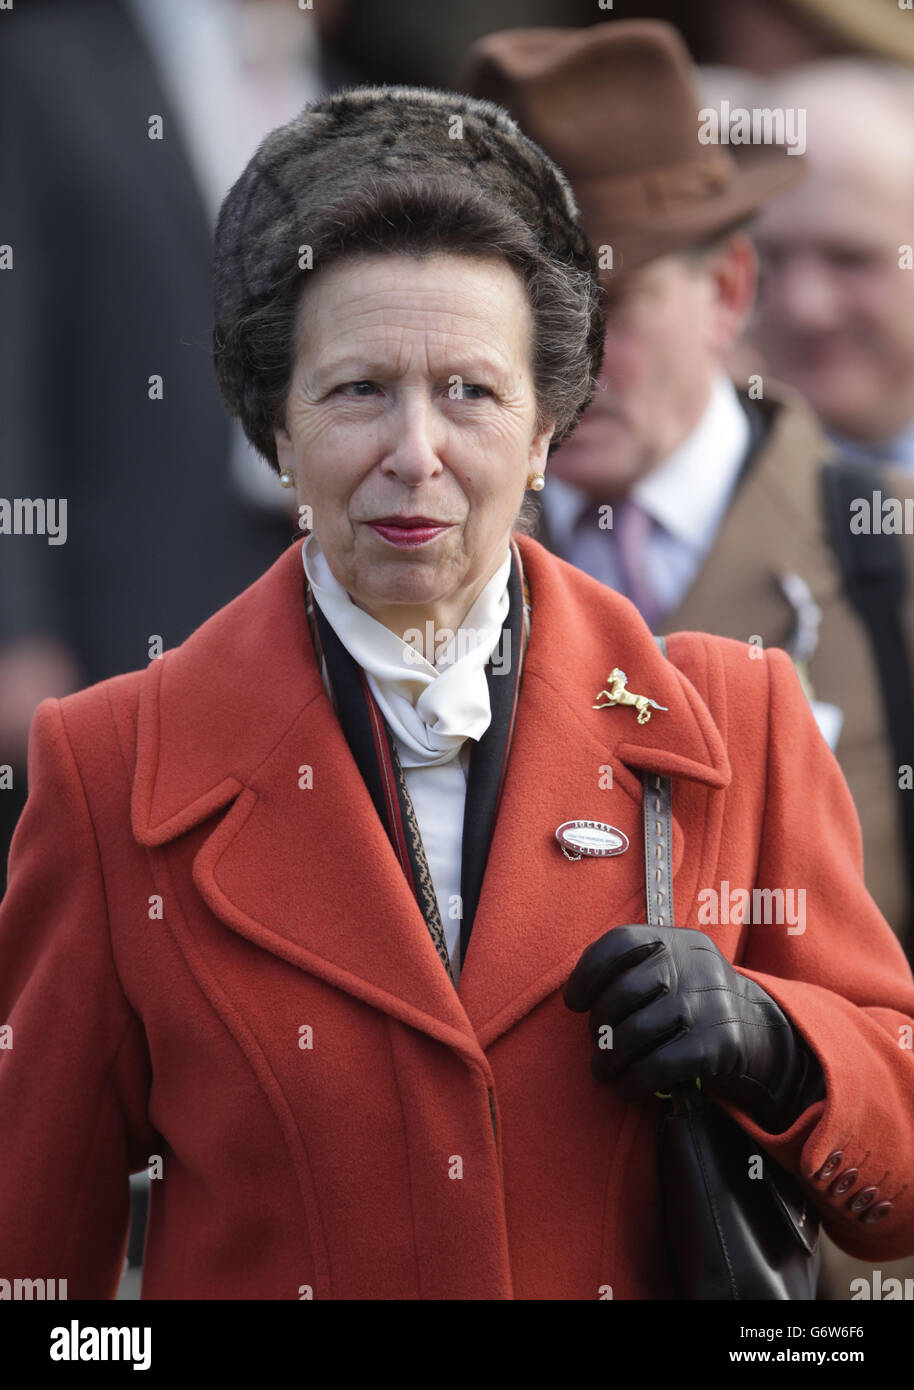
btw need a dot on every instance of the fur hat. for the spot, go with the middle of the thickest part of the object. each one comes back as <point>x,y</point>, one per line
<point>332,146</point>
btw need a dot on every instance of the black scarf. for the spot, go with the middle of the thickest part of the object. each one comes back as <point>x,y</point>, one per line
<point>374,749</point>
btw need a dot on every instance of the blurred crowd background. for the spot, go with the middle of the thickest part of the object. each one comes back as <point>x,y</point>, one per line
<point>171,514</point>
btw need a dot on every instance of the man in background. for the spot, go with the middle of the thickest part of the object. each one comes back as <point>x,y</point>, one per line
<point>702,502</point>
<point>123,124</point>
<point>835,314</point>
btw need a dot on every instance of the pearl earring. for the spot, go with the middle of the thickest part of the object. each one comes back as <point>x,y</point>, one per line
<point>286,478</point>
<point>536,482</point>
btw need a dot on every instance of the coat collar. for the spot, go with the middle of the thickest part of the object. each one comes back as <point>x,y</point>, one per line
<point>230,718</point>
<point>775,523</point>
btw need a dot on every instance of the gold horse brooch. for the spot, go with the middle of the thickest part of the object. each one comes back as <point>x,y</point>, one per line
<point>617,694</point>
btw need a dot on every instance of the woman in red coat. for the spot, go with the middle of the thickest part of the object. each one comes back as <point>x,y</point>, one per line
<point>297,920</point>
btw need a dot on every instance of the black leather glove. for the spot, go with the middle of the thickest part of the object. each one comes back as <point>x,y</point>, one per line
<point>678,1010</point>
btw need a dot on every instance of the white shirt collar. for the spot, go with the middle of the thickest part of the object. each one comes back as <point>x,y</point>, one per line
<point>431,709</point>
<point>689,492</point>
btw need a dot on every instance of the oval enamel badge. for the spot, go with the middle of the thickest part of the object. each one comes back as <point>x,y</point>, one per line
<point>590,837</point>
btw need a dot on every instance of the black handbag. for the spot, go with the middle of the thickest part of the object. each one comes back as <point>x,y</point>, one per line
<point>737,1225</point>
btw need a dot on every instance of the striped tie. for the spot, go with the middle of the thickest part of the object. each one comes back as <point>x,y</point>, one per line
<point>632,527</point>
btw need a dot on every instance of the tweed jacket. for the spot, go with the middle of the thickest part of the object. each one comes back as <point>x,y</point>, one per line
<point>775,524</point>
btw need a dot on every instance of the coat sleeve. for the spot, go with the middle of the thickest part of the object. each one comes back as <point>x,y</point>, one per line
<point>843,980</point>
<point>74,1071</point>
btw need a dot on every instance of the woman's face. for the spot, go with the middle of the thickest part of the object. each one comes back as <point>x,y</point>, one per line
<point>412,396</point>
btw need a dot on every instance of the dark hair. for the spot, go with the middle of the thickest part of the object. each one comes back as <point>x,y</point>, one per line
<point>405,213</point>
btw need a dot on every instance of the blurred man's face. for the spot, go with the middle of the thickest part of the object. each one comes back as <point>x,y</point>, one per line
<point>835,310</point>
<point>662,350</point>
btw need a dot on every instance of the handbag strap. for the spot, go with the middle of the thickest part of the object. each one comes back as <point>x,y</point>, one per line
<point>658,880</point>
<point>658,842</point>
<point>789,1199</point>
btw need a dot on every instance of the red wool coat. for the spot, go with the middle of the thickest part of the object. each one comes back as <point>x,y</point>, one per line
<point>428,1143</point>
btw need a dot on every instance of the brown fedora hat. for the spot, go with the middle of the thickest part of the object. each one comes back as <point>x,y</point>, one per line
<point>615,105</point>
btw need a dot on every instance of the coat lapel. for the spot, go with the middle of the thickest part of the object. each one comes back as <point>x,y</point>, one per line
<point>232,721</point>
<point>238,716</point>
<point>775,524</point>
<point>538,910</point>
